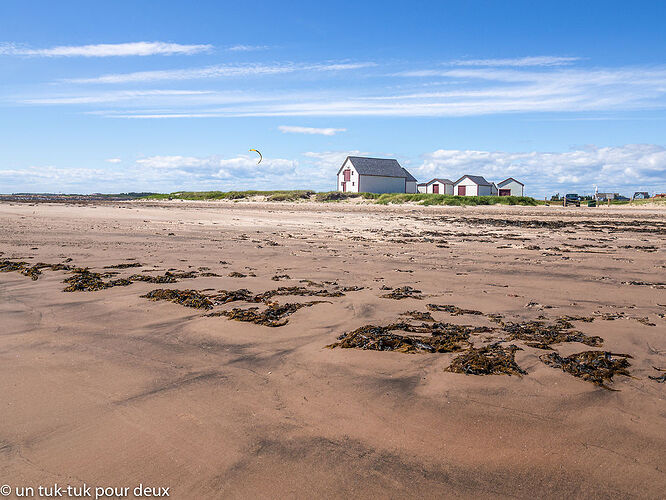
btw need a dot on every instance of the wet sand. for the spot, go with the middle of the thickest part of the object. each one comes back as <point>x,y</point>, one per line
<point>109,388</point>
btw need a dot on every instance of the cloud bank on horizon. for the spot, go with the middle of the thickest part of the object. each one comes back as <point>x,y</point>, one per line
<point>609,168</point>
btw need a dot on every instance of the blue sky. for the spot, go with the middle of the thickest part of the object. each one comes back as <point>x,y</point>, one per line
<point>165,95</point>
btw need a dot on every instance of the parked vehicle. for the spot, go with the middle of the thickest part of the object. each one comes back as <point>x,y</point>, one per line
<point>571,199</point>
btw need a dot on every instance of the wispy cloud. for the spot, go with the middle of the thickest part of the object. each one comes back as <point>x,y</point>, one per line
<point>114,160</point>
<point>518,61</point>
<point>247,48</point>
<point>289,129</point>
<point>218,71</point>
<point>463,91</point>
<point>114,97</point>
<point>106,50</point>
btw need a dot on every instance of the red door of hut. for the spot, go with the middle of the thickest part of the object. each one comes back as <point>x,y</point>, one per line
<point>462,190</point>
<point>505,192</point>
<point>435,188</point>
<point>344,187</point>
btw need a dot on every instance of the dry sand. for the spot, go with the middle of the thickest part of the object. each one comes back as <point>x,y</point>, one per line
<point>112,389</point>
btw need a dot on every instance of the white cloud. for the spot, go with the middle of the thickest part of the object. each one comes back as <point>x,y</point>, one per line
<point>242,167</point>
<point>116,96</point>
<point>107,50</point>
<point>623,168</point>
<point>114,160</point>
<point>332,159</point>
<point>469,92</point>
<point>169,162</point>
<point>247,48</point>
<point>288,129</point>
<point>518,61</point>
<point>217,71</point>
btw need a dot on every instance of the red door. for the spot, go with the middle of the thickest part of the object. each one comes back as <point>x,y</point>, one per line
<point>435,188</point>
<point>505,192</point>
<point>344,187</point>
<point>347,174</point>
<point>462,190</point>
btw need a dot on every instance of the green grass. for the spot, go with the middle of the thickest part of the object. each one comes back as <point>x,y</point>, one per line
<point>338,195</point>
<point>233,195</point>
<point>428,199</point>
<point>425,199</point>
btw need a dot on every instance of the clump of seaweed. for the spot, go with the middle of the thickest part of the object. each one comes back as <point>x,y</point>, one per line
<point>659,378</point>
<point>274,315</point>
<point>541,336</point>
<point>440,329</point>
<point>593,366</point>
<point>380,338</point>
<point>295,290</point>
<point>85,280</point>
<point>585,319</point>
<point>187,298</point>
<point>159,279</point>
<point>403,292</point>
<point>31,271</point>
<point>7,266</point>
<point>453,310</point>
<point>34,272</point>
<point>488,360</point>
<point>124,265</point>
<point>419,316</point>
<point>612,316</point>
<point>236,274</point>
<point>224,296</point>
<point>279,277</point>
<point>496,318</point>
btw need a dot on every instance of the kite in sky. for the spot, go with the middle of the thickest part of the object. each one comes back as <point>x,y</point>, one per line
<point>260,155</point>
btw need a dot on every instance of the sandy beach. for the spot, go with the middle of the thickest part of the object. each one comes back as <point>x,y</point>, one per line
<point>111,388</point>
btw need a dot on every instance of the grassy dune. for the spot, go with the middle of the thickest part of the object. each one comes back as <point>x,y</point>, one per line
<point>383,199</point>
<point>233,195</point>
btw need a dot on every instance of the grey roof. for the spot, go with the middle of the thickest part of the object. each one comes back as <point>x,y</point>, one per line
<point>443,181</point>
<point>408,177</point>
<point>510,179</point>
<point>476,179</point>
<point>378,166</point>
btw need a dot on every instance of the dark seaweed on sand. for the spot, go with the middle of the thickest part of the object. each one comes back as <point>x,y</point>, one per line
<point>84,280</point>
<point>224,296</point>
<point>542,336</point>
<point>187,298</point>
<point>380,338</point>
<point>659,378</point>
<point>593,366</point>
<point>124,265</point>
<point>488,360</point>
<point>403,292</point>
<point>296,290</point>
<point>274,315</point>
<point>453,310</point>
<point>419,316</point>
<point>31,271</point>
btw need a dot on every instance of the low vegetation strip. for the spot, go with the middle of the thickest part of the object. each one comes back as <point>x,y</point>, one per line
<point>233,195</point>
<point>426,199</point>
